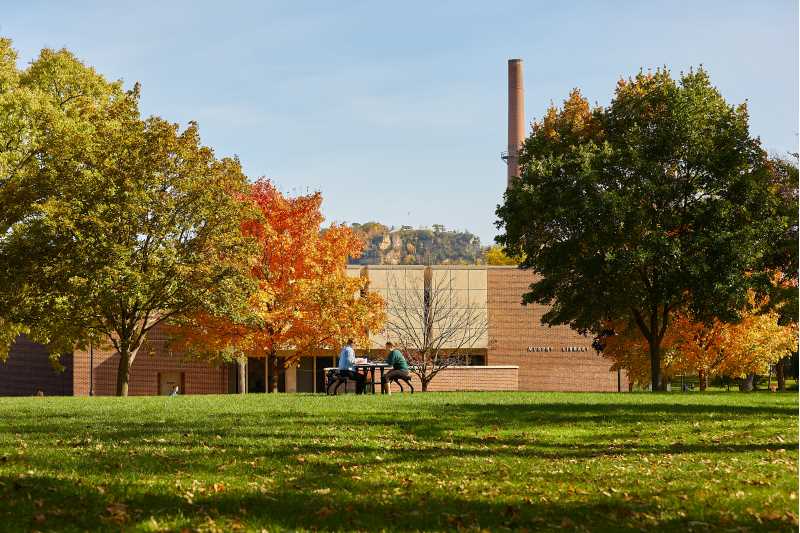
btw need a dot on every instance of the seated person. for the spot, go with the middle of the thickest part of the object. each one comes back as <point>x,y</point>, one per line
<point>347,360</point>
<point>399,367</point>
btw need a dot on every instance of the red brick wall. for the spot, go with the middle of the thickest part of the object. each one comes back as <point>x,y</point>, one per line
<point>153,358</point>
<point>564,361</point>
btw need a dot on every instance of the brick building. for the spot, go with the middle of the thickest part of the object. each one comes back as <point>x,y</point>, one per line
<point>516,353</point>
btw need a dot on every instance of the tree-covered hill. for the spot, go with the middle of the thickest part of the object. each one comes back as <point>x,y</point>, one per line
<point>407,246</point>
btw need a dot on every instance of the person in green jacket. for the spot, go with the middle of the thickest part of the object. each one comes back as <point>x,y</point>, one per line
<point>399,367</point>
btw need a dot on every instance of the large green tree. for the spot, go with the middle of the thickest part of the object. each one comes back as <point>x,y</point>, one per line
<point>47,112</point>
<point>112,223</point>
<point>661,200</point>
<point>783,257</point>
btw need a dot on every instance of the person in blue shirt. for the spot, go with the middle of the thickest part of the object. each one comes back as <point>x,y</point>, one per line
<point>347,361</point>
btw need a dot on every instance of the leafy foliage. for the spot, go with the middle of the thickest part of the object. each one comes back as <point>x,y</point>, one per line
<point>660,202</point>
<point>113,223</point>
<point>708,349</point>
<point>783,256</point>
<point>305,300</point>
<point>496,256</point>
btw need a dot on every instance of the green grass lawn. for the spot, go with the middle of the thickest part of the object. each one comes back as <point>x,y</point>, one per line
<point>436,461</point>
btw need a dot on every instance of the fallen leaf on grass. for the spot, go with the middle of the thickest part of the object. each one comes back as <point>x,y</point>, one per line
<point>324,512</point>
<point>322,491</point>
<point>118,512</point>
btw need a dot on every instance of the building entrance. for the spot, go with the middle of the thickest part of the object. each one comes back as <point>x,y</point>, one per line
<point>167,381</point>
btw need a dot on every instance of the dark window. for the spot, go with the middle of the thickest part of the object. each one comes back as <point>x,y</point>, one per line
<point>476,360</point>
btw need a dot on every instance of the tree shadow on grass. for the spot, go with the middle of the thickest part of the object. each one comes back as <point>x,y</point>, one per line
<point>575,415</point>
<point>249,458</point>
<point>322,492</point>
<point>53,504</point>
<point>201,443</point>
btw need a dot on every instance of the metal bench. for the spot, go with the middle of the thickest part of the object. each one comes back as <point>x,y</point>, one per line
<point>398,379</point>
<point>335,380</point>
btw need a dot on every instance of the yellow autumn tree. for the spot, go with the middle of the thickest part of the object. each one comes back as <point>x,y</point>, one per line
<point>741,350</point>
<point>496,256</point>
<point>756,343</point>
<point>628,350</point>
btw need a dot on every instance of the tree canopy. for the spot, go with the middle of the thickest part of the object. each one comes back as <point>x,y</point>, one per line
<point>305,299</point>
<point>113,223</point>
<point>658,202</point>
<point>496,256</point>
<point>706,349</point>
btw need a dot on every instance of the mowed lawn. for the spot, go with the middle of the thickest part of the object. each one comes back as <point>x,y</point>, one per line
<point>436,461</point>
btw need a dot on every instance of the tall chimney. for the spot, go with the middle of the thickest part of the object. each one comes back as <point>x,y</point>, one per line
<point>516,117</point>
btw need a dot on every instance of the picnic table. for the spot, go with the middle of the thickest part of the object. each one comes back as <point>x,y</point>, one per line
<point>369,368</point>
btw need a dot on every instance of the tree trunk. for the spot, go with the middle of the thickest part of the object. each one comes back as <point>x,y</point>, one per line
<point>703,377</point>
<point>746,384</point>
<point>241,367</point>
<point>424,384</point>
<point>780,374</point>
<point>655,365</point>
<point>126,357</point>
<point>273,386</point>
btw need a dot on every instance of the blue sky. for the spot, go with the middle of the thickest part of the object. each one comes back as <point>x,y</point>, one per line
<point>396,111</point>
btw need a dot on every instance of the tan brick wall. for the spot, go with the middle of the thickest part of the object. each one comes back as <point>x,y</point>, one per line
<point>153,358</point>
<point>549,358</point>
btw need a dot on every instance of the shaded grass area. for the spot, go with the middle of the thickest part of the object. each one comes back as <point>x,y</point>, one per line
<point>436,461</point>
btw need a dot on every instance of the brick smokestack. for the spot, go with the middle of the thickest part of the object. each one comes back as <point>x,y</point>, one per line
<point>516,117</point>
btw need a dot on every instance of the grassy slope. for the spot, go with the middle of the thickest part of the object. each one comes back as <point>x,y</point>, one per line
<point>432,461</point>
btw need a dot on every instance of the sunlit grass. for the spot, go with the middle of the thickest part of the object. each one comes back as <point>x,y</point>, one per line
<point>429,461</point>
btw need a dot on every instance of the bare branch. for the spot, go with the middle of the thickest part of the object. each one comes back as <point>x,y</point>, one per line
<point>433,327</point>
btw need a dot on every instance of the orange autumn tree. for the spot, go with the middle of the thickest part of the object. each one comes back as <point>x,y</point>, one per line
<point>702,347</point>
<point>628,350</point>
<point>338,307</point>
<point>305,299</point>
<point>739,350</point>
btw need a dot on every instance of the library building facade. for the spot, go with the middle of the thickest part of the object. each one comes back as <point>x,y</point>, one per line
<point>516,352</point>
